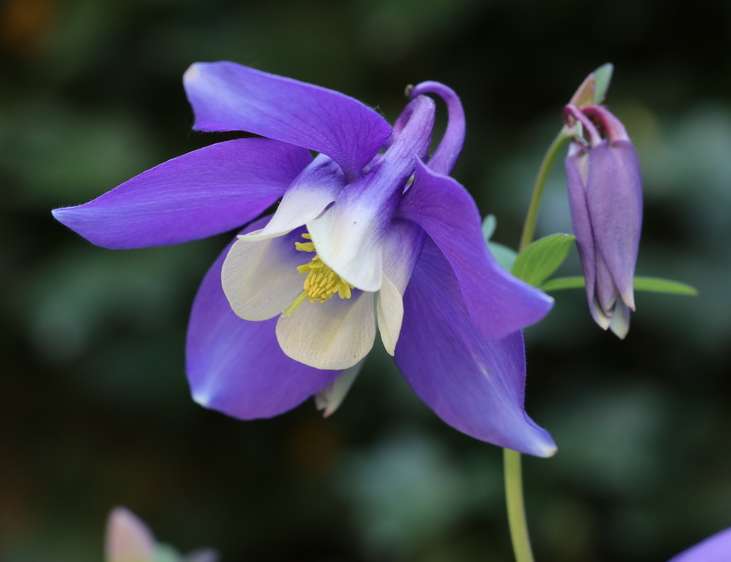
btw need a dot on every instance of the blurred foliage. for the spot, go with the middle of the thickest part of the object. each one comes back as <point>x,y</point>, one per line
<point>96,410</point>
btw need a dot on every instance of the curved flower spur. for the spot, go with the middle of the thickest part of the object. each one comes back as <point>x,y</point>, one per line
<point>370,235</point>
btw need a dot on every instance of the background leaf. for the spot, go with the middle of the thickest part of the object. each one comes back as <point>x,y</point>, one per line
<point>505,256</point>
<point>488,227</point>
<point>541,258</point>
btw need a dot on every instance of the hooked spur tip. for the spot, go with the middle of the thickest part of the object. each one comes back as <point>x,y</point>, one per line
<point>619,324</point>
<point>601,319</point>
<point>628,297</point>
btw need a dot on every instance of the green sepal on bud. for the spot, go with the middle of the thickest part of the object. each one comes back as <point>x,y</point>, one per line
<point>593,89</point>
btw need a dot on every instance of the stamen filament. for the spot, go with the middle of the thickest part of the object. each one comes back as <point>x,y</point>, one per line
<point>295,304</point>
<point>321,283</point>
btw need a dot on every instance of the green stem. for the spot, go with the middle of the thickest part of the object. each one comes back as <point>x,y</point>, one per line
<point>512,462</point>
<point>516,506</point>
<point>549,159</point>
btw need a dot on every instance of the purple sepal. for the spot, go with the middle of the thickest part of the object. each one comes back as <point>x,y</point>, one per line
<point>237,367</point>
<point>498,303</point>
<point>716,548</point>
<point>230,97</point>
<point>199,194</point>
<point>474,384</point>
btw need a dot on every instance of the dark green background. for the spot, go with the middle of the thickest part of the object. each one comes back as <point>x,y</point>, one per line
<point>95,409</point>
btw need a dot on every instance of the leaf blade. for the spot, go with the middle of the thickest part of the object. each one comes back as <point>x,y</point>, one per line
<point>643,284</point>
<point>542,258</point>
<point>664,286</point>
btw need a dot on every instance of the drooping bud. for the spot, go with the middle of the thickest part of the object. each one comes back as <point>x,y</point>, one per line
<point>129,540</point>
<point>605,197</point>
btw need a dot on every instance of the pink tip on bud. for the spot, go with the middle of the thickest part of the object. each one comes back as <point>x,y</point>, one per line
<point>610,127</point>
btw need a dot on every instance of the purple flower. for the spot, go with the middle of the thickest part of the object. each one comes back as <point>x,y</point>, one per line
<point>605,197</point>
<point>716,548</point>
<point>370,235</point>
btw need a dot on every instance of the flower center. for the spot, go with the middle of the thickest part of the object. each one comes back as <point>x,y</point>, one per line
<point>321,282</point>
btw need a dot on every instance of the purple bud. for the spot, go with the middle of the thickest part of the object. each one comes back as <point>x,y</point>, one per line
<point>605,197</point>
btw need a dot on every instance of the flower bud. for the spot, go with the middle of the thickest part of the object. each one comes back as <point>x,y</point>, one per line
<point>605,197</point>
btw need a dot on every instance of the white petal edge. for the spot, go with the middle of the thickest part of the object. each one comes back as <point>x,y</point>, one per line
<point>334,335</point>
<point>260,277</point>
<point>305,200</point>
<point>329,400</point>
<point>390,314</point>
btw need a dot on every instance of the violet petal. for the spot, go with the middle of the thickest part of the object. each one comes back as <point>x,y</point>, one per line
<point>716,548</point>
<point>230,97</point>
<point>498,303</point>
<point>237,367</point>
<point>581,222</point>
<point>198,194</point>
<point>473,384</point>
<point>614,197</point>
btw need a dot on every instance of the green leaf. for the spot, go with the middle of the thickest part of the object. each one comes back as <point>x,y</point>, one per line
<point>645,284</point>
<point>488,227</point>
<point>666,286</point>
<point>505,256</point>
<point>541,258</point>
<point>563,283</point>
<point>602,79</point>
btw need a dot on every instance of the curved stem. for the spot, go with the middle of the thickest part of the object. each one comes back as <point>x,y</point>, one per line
<point>512,462</point>
<point>529,226</point>
<point>516,506</point>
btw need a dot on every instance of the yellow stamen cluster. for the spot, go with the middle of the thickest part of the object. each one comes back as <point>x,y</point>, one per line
<point>321,282</point>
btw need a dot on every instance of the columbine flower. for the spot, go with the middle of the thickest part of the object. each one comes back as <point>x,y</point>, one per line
<point>605,197</point>
<point>716,548</point>
<point>129,540</point>
<point>370,235</point>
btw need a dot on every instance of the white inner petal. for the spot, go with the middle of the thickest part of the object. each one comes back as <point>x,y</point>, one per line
<point>260,277</point>
<point>298,206</point>
<point>347,240</point>
<point>401,246</point>
<point>333,335</point>
<point>329,400</point>
<point>311,192</point>
<point>390,314</point>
